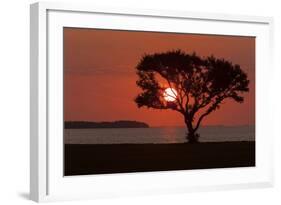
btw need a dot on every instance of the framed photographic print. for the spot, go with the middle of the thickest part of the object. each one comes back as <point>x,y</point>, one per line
<point>127,102</point>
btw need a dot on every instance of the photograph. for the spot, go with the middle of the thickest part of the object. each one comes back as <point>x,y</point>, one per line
<point>147,101</point>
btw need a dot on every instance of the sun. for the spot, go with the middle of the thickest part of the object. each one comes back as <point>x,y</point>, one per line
<point>170,94</point>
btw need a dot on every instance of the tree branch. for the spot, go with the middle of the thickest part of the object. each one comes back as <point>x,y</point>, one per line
<point>179,103</point>
<point>211,108</point>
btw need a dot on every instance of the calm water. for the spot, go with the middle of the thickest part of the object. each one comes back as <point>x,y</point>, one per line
<point>156,135</point>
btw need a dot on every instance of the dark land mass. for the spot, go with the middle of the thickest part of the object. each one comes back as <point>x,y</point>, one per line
<point>124,158</point>
<point>115,124</point>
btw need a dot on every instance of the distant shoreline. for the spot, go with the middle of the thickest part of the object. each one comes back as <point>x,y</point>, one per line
<point>204,126</point>
<point>96,125</point>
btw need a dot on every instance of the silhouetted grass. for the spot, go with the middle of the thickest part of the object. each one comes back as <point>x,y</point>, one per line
<point>119,158</point>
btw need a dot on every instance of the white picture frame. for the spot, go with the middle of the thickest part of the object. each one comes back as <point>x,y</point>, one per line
<point>47,182</point>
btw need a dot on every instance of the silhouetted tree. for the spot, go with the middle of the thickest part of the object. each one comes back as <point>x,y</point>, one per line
<point>201,85</point>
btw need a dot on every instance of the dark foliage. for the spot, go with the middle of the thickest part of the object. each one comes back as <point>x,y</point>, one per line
<point>202,84</point>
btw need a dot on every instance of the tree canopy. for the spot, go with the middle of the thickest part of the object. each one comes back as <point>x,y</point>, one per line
<point>202,84</point>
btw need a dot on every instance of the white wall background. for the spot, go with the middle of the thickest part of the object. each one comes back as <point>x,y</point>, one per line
<point>14,101</point>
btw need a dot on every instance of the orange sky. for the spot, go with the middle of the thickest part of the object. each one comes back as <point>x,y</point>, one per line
<point>99,74</point>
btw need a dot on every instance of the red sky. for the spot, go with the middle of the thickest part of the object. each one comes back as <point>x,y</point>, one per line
<point>99,74</point>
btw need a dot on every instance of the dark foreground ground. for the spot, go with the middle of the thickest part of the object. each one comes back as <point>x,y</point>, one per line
<point>102,159</point>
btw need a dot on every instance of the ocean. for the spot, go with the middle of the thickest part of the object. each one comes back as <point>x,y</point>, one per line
<point>157,135</point>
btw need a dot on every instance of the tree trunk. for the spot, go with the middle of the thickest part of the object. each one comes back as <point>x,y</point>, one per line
<point>192,136</point>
